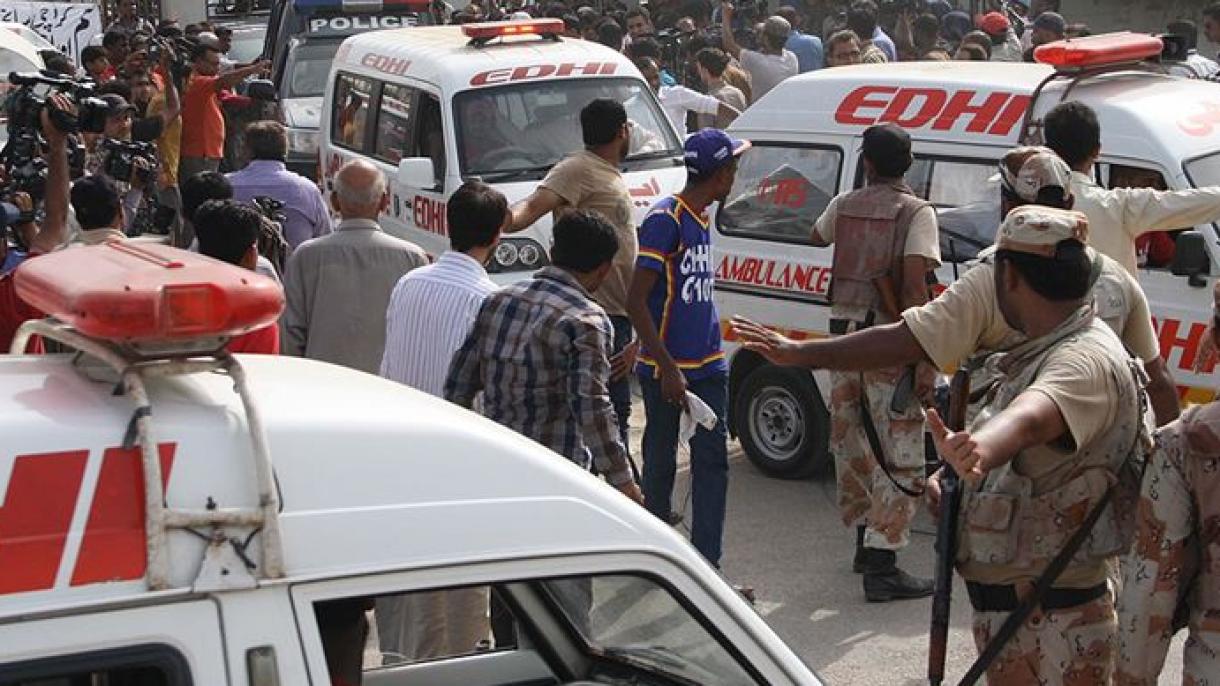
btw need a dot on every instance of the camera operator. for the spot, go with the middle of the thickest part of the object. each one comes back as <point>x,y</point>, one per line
<point>203,122</point>
<point>96,63</point>
<point>50,236</point>
<point>130,166</point>
<point>769,65</point>
<point>115,44</point>
<point>639,23</point>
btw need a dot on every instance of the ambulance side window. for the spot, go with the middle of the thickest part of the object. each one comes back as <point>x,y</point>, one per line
<point>395,122</point>
<point>780,191</point>
<point>1155,249</point>
<point>146,665</point>
<point>349,121</point>
<point>966,196</point>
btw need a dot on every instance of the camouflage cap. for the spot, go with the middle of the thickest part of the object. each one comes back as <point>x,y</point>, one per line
<point>1038,230</point>
<point>1026,170</point>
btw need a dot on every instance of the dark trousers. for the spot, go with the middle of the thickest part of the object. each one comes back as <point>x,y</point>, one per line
<point>709,460</point>
<point>620,391</point>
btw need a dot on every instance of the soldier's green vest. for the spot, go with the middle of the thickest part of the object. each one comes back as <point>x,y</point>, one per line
<point>1004,521</point>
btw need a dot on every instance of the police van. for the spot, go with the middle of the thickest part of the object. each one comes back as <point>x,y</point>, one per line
<point>1157,130</point>
<point>172,515</point>
<point>498,101</point>
<point>302,39</point>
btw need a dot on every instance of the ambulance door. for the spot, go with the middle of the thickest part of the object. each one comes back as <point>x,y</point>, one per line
<point>767,270</point>
<point>593,618</point>
<point>170,644</point>
<point>1179,296</point>
<point>409,145</point>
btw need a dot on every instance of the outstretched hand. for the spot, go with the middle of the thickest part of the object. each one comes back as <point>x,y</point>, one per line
<point>777,348</point>
<point>958,448</point>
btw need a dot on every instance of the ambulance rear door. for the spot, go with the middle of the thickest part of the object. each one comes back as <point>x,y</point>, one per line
<point>175,643</point>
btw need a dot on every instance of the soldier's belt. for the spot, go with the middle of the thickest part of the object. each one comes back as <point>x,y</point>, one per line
<point>997,598</point>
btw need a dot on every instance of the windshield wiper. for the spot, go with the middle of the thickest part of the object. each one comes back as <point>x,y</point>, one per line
<point>654,657</point>
<point>510,174</point>
<point>659,154</point>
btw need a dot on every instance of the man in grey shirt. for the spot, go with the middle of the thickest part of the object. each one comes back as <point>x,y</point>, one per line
<point>768,66</point>
<point>337,286</point>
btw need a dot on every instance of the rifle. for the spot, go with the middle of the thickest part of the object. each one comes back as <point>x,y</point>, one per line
<point>946,535</point>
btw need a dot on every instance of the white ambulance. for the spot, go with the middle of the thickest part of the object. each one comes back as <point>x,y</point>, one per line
<point>962,117</point>
<point>433,106</point>
<point>173,515</point>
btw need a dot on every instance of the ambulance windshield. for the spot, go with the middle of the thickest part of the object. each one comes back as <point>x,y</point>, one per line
<point>1205,170</point>
<point>308,68</point>
<point>519,132</point>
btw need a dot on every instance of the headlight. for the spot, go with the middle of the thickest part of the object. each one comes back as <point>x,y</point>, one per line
<point>517,254</point>
<point>303,141</point>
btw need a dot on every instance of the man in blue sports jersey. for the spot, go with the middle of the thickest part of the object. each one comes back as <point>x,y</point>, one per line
<point>671,308</point>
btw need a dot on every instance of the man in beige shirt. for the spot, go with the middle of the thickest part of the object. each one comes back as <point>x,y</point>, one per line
<point>965,320</point>
<point>590,180</point>
<point>1117,216</point>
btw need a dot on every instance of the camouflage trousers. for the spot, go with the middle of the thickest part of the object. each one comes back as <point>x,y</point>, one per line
<point>866,494</point>
<point>1176,558</point>
<point>1069,647</point>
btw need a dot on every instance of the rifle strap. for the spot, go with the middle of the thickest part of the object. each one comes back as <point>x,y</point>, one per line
<point>874,442</point>
<point>1031,601</point>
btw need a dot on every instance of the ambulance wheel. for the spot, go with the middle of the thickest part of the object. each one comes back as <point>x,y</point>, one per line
<point>785,428</point>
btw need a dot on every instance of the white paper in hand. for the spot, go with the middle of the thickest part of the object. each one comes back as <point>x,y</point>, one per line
<point>697,414</point>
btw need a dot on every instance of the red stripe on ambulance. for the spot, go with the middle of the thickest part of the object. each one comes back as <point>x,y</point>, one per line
<point>995,113</point>
<point>37,511</point>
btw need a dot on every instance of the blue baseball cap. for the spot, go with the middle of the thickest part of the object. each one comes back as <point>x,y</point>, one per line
<point>707,150</point>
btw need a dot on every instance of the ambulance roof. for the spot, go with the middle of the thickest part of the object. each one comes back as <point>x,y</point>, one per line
<point>1143,115</point>
<point>372,475</point>
<point>441,55</point>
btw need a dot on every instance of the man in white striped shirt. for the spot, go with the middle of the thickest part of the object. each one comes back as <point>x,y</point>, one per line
<point>431,311</point>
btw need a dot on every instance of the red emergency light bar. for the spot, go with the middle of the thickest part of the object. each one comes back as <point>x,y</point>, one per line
<point>1102,50</point>
<point>143,292</point>
<point>486,31</point>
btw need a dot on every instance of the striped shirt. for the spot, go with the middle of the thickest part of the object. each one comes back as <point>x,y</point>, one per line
<point>432,309</point>
<point>539,352</point>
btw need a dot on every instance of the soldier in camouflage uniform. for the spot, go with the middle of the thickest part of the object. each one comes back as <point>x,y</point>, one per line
<point>1057,430</point>
<point>1172,576</point>
<point>886,242</point>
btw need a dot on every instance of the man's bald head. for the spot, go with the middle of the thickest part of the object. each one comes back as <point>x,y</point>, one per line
<point>360,190</point>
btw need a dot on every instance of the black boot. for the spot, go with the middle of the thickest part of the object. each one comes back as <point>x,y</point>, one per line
<point>857,562</point>
<point>884,581</point>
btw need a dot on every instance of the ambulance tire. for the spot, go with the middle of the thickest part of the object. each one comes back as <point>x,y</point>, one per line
<point>784,427</point>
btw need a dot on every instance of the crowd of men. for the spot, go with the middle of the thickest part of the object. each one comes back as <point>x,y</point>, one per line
<point>1056,326</point>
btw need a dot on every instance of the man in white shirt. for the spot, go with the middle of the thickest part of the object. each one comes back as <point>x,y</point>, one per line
<point>678,100</point>
<point>771,63</point>
<point>431,311</point>
<point>1117,216</point>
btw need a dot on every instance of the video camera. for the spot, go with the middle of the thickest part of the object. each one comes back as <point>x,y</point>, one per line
<point>179,48</point>
<point>22,153</point>
<point>120,160</point>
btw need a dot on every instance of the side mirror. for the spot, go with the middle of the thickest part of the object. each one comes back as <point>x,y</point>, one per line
<point>261,89</point>
<point>1190,258</point>
<point>416,172</point>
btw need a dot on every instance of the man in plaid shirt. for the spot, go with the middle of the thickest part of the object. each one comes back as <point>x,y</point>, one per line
<point>540,353</point>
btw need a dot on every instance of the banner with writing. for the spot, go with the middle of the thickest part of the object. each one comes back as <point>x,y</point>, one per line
<point>68,25</point>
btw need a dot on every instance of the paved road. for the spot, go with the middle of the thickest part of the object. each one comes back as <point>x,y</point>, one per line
<point>784,538</point>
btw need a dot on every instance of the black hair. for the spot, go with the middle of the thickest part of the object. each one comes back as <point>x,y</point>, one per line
<point>556,10</point>
<point>584,241</point>
<point>571,22</point>
<point>1187,29</point>
<point>96,202</point>
<point>926,25</point>
<point>979,38</point>
<point>610,34</point>
<point>226,229</point>
<point>1062,278</point>
<point>266,140</point>
<point>200,50</point>
<point>601,121</point>
<point>714,60</point>
<point>112,38</point>
<point>1072,131</point>
<point>117,87</point>
<point>92,52</point>
<point>696,10</point>
<point>862,19</point>
<point>201,188</point>
<point>57,62</point>
<point>645,46</point>
<point>637,12</point>
<point>475,214</point>
<point>888,149</point>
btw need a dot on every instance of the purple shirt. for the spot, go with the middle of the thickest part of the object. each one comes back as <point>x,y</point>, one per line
<point>305,213</point>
